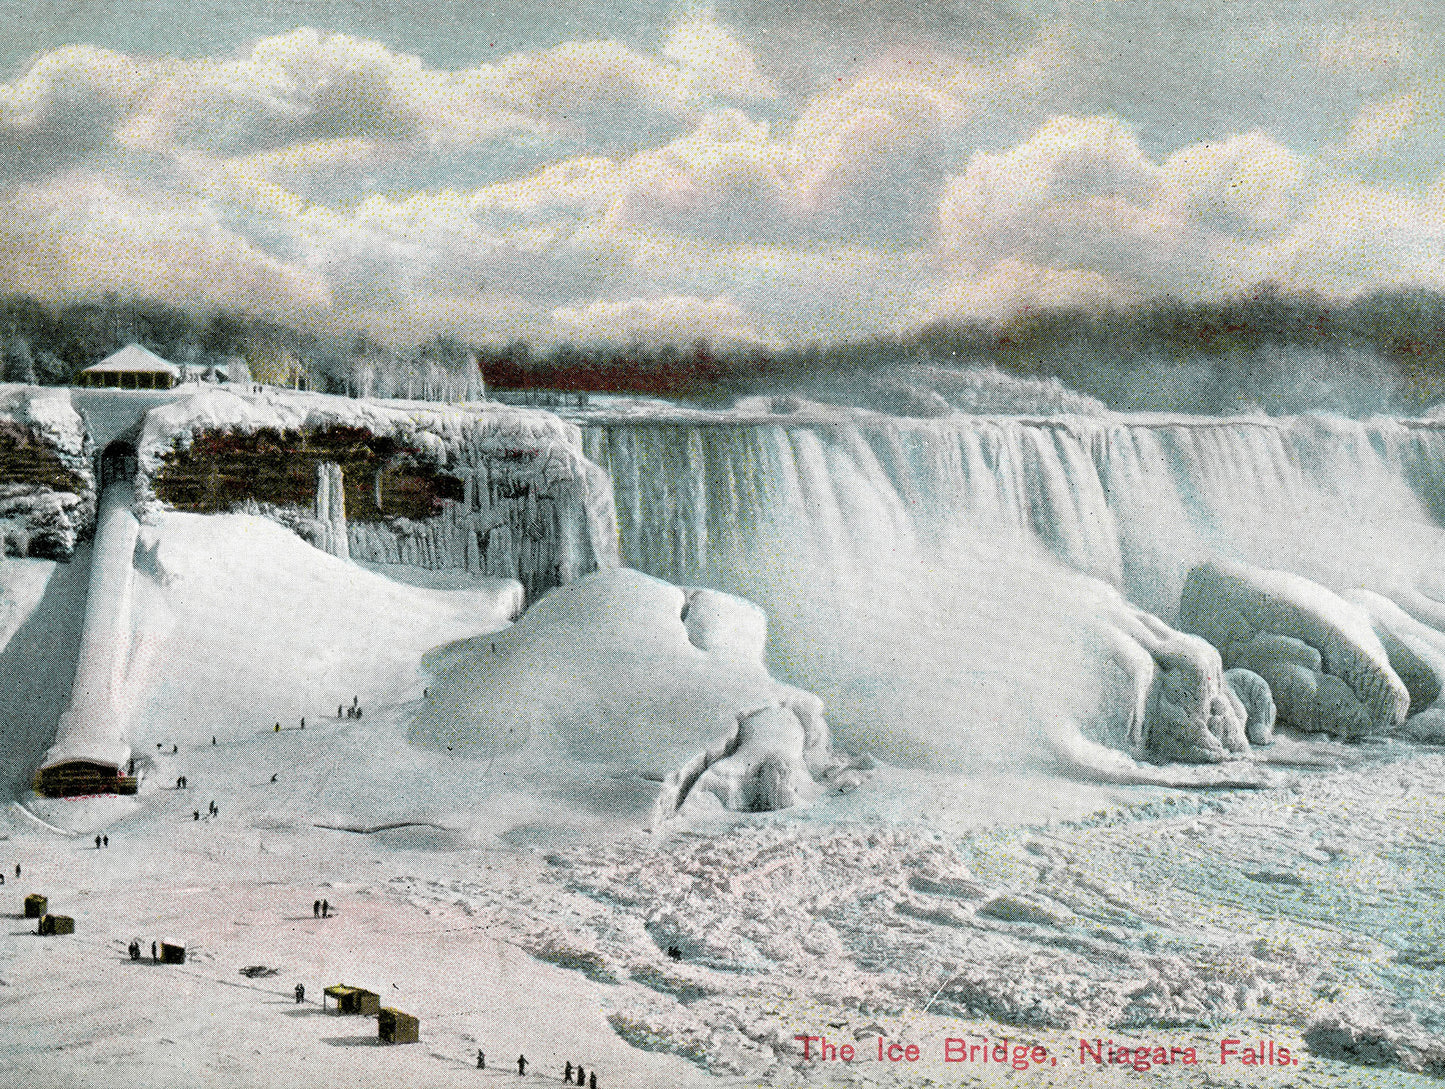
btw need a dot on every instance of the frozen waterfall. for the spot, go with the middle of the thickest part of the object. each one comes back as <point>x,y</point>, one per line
<point>969,589</point>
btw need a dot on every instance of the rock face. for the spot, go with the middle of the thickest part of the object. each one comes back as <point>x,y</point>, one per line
<point>47,485</point>
<point>1326,668</point>
<point>491,489</point>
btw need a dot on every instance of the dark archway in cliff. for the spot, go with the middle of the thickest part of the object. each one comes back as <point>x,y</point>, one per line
<point>116,462</point>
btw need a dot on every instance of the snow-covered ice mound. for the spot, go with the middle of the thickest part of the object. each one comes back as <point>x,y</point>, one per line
<point>243,625</point>
<point>1319,654</point>
<point>622,673</point>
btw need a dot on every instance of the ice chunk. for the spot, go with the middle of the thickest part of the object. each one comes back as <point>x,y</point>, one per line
<point>763,769</point>
<point>1259,710</point>
<point>1182,708</point>
<point>1304,696</point>
<point>1416,650</point>
<point>1357,1032</point>
<point>1230,604</point>
<point>1264,648</point>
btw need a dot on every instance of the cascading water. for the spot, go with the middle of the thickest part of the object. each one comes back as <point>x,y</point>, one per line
<point>955,588</point>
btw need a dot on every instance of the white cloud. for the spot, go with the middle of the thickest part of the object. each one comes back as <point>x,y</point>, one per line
<point>1246,185</point>
<point>892,105</point>
<point>732,177</point>
<point>1380,124</point>
<point>233,181</point>
<point>715,61</point>
<point>1091,165</point>
<point>64,76</point>
<point>1077,213</point>
<point>64,109</point>
<point>1010,285</point>
<point>310,88</point>
<point>1078,194</point>
<point>1365,44</point>
<point>84,233</point>
<point>668,318</point>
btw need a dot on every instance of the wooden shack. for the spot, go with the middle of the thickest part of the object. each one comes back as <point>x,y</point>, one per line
<point>77,778</point>
<point>353,1000</point>
<point>56,924</point>
<point>172,953</point>
<point>35,905</point>
<point>395,1027</point>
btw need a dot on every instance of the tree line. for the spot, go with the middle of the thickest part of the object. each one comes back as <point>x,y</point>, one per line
<point>1211,355</point>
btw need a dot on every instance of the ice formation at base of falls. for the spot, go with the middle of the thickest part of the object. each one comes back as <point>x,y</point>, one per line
<point>1183,710</point>
<point>623,673</point>
<point>770,754</point>
<point>1253,692</point>
<point>960,589</point>
<point>1417,654</point>
<point>1326,668</point>
<point>758,767</point>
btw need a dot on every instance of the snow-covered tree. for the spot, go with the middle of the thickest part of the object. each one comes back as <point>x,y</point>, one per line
<point>19,366</point>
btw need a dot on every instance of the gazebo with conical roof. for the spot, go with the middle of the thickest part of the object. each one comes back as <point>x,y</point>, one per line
<point>133,367</point>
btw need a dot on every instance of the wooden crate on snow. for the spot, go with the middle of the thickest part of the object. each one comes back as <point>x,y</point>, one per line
<point>57,924</point>
<point>395,1027</point>
<point>353,1000</point>
<point>35,905</point>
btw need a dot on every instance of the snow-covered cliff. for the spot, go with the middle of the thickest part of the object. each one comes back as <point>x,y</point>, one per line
<point>47,488</point>
<point>492,489</point>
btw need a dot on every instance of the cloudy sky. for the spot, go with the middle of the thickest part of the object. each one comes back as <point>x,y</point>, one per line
<point>754,171</point>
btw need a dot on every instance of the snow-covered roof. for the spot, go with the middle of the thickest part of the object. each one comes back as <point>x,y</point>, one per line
<point>133,358</point>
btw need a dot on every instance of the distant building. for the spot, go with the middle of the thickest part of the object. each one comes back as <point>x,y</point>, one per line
<point>133,367</point>
<point>232,370</point>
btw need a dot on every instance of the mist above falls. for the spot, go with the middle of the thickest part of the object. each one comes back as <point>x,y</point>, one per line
<point>1273,380</point>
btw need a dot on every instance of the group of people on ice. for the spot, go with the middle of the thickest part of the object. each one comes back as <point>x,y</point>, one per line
<point>590,1081</point>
